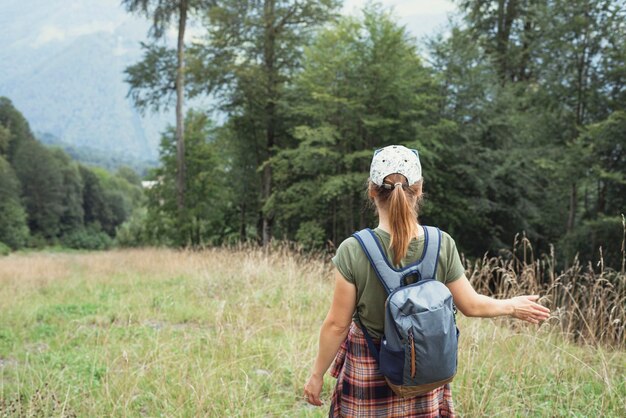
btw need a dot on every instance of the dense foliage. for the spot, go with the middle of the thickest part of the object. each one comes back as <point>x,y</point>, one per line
<point>46,198</point>
<point>518,113</point>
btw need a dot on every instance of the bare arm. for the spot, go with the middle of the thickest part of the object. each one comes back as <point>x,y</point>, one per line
<point>471,303</point>
<point>334,330</point>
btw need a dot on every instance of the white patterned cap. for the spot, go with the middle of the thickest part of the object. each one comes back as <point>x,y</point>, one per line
<point>395,159</point>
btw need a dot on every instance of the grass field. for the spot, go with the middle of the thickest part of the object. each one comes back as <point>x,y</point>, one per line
<point>156,332</point>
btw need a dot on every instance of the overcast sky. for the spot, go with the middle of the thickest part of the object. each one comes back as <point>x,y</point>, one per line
<point>421,17</point>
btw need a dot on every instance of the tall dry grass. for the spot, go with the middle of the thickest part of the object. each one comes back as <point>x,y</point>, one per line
<point>588,302</point>
<point>233,332</point>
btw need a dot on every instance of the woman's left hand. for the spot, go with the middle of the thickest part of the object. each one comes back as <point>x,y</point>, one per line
<point>526,308</point>
<point>312,390</point>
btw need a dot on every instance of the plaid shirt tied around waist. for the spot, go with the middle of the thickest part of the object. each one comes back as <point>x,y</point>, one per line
<point>361,391</point>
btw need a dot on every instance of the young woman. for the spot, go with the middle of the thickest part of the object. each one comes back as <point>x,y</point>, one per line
<point>395,187</point>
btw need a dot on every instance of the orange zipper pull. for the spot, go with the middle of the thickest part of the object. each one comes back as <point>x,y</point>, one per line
<point>412,354</point>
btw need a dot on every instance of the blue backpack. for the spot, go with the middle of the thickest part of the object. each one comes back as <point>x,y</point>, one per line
<point>418,352</point>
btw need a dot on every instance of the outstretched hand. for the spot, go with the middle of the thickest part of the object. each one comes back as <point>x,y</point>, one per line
<point>527,309</point>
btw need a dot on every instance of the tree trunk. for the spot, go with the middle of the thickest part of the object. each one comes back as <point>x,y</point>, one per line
<point>601,197</point>
<point>524,72</point>
<point>583,72</point>
<point>581,87</point>
<point>242,226</point>
<point>268,218</point>
<point>351,212</point>
<point>334,222</point>
<point>573,197</point>
<point>270,113</point>
<point>362,221</point>
<point>180,128</point>
<point>345,204</point>
<point>507,12</point>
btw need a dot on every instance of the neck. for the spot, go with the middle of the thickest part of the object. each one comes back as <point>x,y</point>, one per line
<point>385,225</point>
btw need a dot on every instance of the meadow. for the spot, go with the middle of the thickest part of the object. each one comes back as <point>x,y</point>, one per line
<point>233,332</point>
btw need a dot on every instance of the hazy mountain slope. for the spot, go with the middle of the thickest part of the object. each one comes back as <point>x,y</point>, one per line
<point>62,63</point>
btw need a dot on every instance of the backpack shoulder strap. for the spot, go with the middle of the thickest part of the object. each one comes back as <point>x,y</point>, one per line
<point>388,276</point>
<point>426,267</point>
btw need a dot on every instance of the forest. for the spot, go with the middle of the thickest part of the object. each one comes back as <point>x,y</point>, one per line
<point>49,199</point>
<point>517,108</point>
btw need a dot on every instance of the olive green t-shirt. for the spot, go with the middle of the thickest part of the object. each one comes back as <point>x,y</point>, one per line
<point>354,265</point>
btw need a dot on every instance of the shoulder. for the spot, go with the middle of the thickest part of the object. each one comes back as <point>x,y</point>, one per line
<point>348,249</point>
<point>349,258</point>
<point>448,245</point>
<point>348,243</point>
<point>449,259</point>
<point>446,238</point>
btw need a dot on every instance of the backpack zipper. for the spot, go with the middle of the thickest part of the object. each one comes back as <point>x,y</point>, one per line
<point>419,282</point>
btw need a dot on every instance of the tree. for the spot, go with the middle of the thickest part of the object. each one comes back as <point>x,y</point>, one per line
<point>63,200</point>
<point>241,162</point>
<point>506,30</point>
<point>251,53</point>
<point>129,175</point>
<point>16,125</point>
<point>517,117</point>
<point>5,137</point>
<point>162,13</point>
<point>72,201</point>
<point>13,228</point>
<point>557,53</point>
<point>494,160</point>
<point>363,86</point>
<point>41,177</point>
<point>205,219</point>
<point>574,36</point>
<point>523,80</point>
<point>107,202</point>
<point>607,161</point>
<point>97,211</point>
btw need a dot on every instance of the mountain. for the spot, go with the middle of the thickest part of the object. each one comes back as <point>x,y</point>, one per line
<point>62,64</point>
<point>109,159</point>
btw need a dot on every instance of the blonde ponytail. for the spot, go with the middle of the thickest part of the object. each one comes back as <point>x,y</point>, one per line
<point>403,223</point>
<point>401,202</point>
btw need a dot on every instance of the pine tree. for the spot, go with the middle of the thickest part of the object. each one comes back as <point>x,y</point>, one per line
<point>251,54</point>
<point>162,13</point>
<point>42,188</point>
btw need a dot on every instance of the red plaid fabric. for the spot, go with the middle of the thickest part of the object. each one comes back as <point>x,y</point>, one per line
<point>361,390</point>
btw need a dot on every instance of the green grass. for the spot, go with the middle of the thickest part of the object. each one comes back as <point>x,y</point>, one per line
<point>157,332</point>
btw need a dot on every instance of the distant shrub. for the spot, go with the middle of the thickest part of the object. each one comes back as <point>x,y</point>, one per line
<point>133,232</point>
<point>37,240</point>
<point>310,235</point>
<point>4,249</point>
<point>13,219</point>
<point>89,238</point>
<point>13,228</point>
<point>586,240</point>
